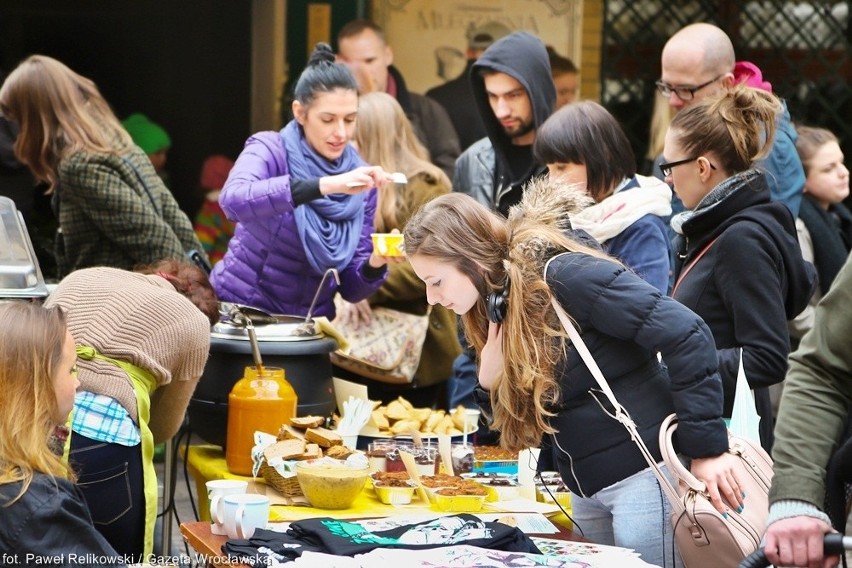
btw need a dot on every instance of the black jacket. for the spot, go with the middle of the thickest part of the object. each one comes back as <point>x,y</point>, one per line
<point>625,322</point>
<point>456,96</point>
<point>751,280</point>
<point>51,521</point>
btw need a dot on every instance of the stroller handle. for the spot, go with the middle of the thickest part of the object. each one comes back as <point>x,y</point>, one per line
<point>833,543</point>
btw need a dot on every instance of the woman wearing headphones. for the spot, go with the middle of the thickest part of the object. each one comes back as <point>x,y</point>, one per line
<point>533,383</point>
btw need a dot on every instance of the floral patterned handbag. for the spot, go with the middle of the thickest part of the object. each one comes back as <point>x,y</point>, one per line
<point>388,350</point>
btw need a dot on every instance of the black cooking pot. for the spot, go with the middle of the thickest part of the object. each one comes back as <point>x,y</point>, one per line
<point>305,362</point>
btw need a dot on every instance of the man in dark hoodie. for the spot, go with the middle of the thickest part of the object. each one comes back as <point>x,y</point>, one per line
<point>361,45</point>
<point>456,95</point>
<point>514,94</point>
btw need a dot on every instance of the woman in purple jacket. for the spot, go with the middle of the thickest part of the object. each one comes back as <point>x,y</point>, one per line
<point>304,201</point>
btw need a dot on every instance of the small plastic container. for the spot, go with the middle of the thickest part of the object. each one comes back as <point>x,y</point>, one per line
<point>388,244</point>
<point>394,495</point>
<point>392,460</point>
<point>377,454</point>
<point>462,457</point>
<point>426,460</point>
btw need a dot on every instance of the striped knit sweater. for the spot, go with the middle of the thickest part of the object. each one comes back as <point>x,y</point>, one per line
<point>143,320</point>
<point>213,228</point>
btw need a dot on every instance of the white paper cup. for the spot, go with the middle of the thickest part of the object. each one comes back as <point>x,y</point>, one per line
<point>350,441</point>
<point>216,490</point>
<point>244,514</point>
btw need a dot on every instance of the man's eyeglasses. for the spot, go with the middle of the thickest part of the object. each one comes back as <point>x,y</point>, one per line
<point>683,93</point>
<point>667,167</point>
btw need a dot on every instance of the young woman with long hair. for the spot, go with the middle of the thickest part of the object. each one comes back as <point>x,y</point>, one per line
<point>112,207</point>
<point>533,383</point>
<point>42,512</point>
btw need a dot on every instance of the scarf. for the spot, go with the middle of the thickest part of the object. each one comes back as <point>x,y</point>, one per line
<point>830,233</point>
<point>636,197</point>
<point>716,196</point>
<point>329,227</point>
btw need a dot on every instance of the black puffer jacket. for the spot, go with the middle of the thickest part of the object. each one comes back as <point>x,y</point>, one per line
<point>50,524</point>
<point>625,322</point>
<point>750,281</point>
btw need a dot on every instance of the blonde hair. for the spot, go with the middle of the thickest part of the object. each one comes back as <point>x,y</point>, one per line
<point>385,138</point>
<point>661,118</point>
<point>31,342</point>
<point>490,251</point>
<point>738,127</point>
<point>59,113</point>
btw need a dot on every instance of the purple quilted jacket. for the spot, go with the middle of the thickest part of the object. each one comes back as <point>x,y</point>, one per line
<point>265,265</point>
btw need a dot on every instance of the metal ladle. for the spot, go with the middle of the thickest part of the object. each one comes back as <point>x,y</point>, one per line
<point>236,314</point>
<point>319,289</point>
<point>255,348</point>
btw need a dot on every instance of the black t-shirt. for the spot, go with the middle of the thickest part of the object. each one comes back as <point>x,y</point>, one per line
<point>345,538</point>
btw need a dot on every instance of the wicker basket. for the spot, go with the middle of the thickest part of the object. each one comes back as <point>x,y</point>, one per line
<point>287,486</point>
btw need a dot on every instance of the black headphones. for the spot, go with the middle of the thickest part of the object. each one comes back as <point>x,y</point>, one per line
<point>497,302</point>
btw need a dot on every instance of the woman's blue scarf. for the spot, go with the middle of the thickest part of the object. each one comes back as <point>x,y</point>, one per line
<point>329,227</point>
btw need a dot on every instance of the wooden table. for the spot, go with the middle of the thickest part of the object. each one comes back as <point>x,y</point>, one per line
<point>197,534</point>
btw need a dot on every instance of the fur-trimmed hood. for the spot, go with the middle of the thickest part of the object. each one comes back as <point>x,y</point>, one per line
<point>547,202</point>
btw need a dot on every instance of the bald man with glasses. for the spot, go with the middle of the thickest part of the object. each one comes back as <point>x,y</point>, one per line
<point>698,62</point>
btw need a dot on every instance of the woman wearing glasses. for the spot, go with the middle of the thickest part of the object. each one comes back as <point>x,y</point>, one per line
<point>738,263</point>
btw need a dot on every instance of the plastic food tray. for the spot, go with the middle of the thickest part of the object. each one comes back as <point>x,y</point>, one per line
<point>458,503</point>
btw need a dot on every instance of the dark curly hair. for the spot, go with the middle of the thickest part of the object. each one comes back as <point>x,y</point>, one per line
<point>190,281</point>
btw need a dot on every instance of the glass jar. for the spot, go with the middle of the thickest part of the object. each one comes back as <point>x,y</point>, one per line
<point>262,401</point>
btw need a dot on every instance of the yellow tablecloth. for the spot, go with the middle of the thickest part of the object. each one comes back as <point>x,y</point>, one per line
<point>207,462</point>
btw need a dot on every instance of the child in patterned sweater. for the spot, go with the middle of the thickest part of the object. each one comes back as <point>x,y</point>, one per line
<point>212,227</point>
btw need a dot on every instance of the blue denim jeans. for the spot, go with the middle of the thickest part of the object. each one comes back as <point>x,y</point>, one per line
<point>633,513</point>
<point>110,478</point>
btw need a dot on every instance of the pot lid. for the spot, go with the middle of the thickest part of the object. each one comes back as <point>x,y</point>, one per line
<point>234,319</point>
<point>296,330</point>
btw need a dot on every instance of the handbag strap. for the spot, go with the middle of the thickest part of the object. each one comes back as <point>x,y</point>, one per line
<point>691,265</point>
<point>144,185</point>
<point>620,413</point>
